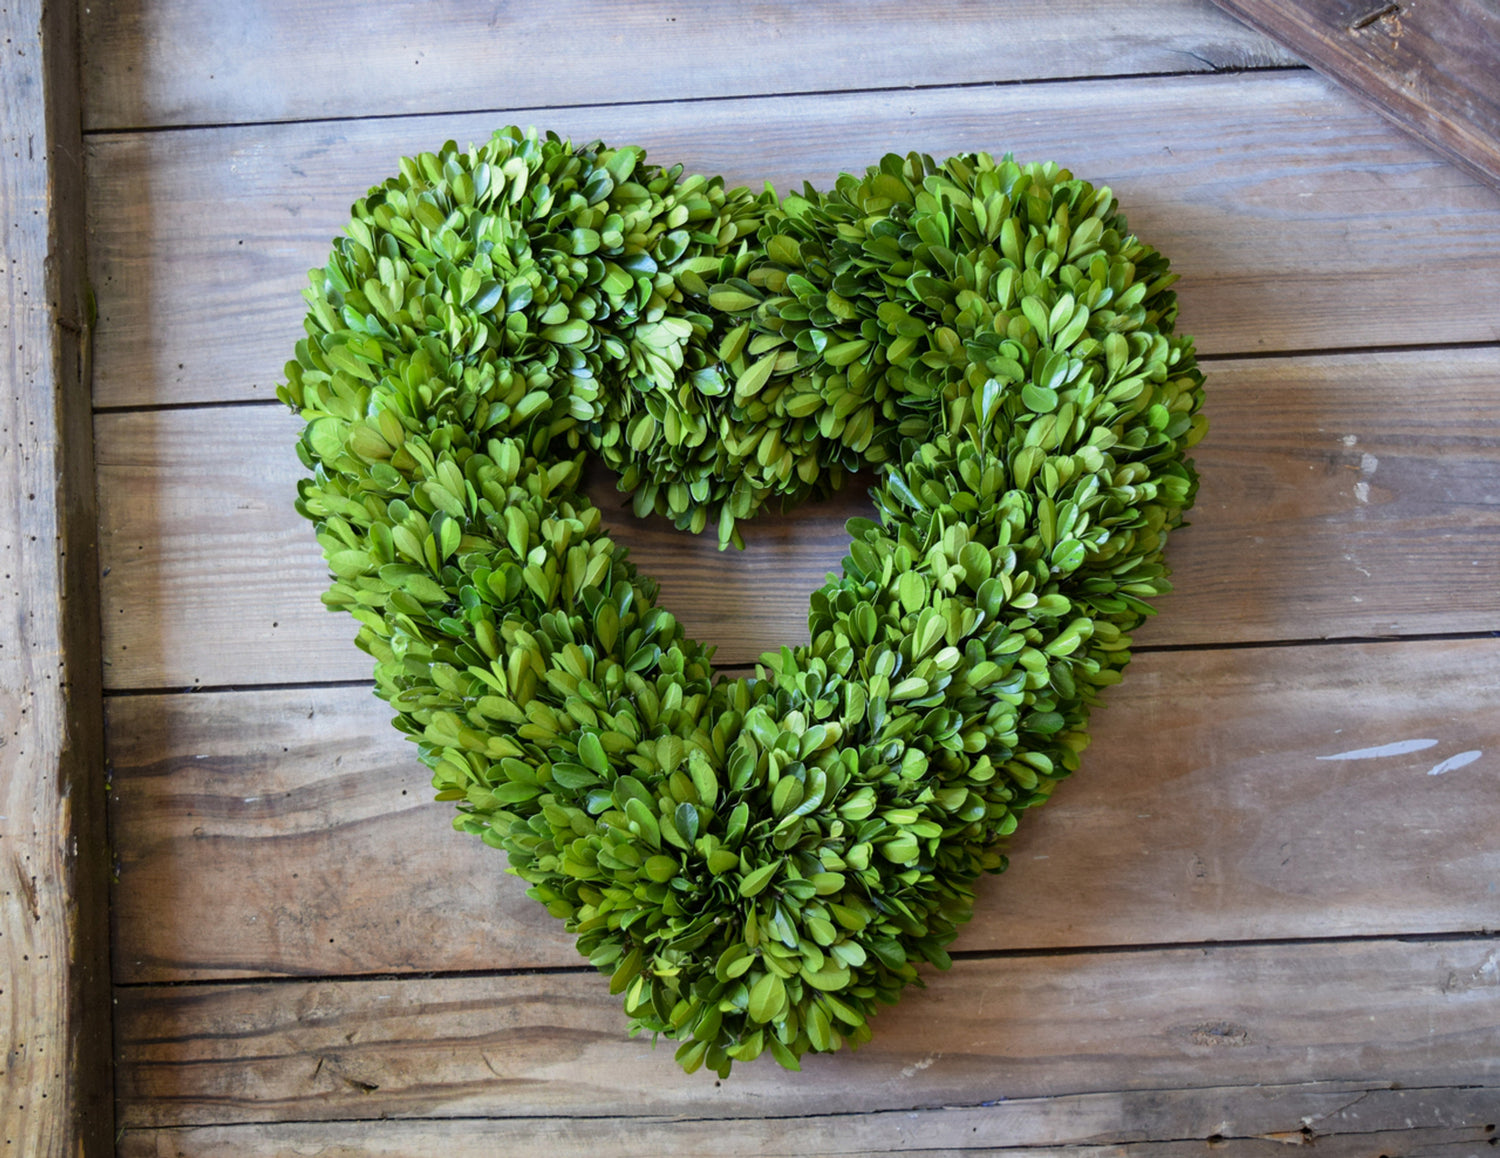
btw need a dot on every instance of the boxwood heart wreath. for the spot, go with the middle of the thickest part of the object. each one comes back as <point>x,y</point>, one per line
<point>757,864</point>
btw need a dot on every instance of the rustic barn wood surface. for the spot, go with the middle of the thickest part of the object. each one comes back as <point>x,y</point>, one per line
<point>55,1096</point>
<point>1267,910</point>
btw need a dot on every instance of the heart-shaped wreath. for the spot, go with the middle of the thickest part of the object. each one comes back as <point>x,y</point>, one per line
<point>757,864</point>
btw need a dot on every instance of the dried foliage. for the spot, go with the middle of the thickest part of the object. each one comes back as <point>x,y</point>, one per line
<point>757,864</point>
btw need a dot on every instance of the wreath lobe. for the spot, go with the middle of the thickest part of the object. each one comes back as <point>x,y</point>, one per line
<point>757,864</point>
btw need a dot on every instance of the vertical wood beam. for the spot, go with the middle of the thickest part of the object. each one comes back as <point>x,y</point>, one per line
<point>55,1096</point>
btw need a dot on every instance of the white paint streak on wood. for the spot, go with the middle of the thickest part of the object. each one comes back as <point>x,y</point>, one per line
<point>1461,760</point>
<point>1398,748</point>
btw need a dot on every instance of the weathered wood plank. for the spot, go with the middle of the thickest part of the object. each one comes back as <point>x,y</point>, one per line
<point>293,833</point>
<point>1299,219</point>
<point>1416,1013</point>
<point>54,1010</point>
<point>1236,1122</point>
<point>191,62</point>
<point>1342,496</point>
<point>1429,67</point>
<point>477,1137</point>
<point>549,1139</point>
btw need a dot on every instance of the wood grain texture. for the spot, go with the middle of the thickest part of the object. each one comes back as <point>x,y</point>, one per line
<point>554,1139</point>
<point>1299,219</point>
<point>192,62</point>
<point>1333,504</point>
<point>54,1012</point>
<point>1428,65</point>
<point>1420,1014</point>
<point>1208,809</point>
<point>1344,1120</point>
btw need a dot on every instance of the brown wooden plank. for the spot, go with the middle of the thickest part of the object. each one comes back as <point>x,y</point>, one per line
<point>292,832</point>
<point>1416,1013</point>
<point>1341,1119</point>
<point>271,62</point>
<point>54,1011</point>
<point>1428,65</point>
<point>1342,496</point>
<point>1299,219</point>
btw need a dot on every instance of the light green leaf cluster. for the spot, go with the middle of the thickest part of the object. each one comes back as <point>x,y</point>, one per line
<point>757,864</point>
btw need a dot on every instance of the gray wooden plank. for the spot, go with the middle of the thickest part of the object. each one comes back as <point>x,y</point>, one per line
<point>1299,219</point>
<point>1332,505</point>
<point>553,1045</point>
<point>293,832</point>
<point>54,1012</point>
<point>1341,1119</point>
<point>183,62</point>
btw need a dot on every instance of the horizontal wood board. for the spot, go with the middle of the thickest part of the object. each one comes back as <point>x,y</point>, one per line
<point>1298,218</point>
<point>1330,506</point>
<point>1347,1121</point>
<point>1418,1013</point>
<point>559,1139</point>
<point>1214,805</point>
<point>1428,65</point>
<point>194,62</point>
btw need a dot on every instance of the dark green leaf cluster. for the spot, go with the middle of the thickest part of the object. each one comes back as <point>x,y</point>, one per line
<point>757,864</point>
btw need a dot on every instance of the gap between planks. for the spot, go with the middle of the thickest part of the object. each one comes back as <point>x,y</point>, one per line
<point>748,670</point>
<point>1207,361</point>
<point>968,955</point>
<point>565,107</point>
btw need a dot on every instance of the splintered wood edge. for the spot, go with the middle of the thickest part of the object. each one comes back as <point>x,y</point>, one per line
<point>55,1081</point>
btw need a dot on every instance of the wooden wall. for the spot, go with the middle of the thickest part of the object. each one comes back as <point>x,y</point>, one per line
<point>1232,926</point>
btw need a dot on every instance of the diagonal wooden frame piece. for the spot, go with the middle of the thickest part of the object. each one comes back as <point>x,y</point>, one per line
<point>1427,65</point>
